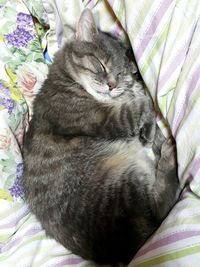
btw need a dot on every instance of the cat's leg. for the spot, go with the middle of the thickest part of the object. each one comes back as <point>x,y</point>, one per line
<point>166,189</point>
<point>131,115</point>
<point>147,122</point>
<point>147,129</point>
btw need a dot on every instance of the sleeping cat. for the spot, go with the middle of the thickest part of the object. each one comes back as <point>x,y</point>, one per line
<point>87,174</point>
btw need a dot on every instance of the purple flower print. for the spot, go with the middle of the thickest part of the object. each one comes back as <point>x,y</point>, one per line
<point>24,32</point>
<point>19,38</point>
<point>16,190</point>
<point>8,104</point>
<point>5,99</point>
<point>24,20</point>
<point>4,90</point>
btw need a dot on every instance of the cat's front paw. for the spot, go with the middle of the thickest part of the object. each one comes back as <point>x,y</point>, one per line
<point>147,133</point>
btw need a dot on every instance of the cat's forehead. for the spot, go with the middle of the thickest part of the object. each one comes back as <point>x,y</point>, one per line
<point>108,50</point>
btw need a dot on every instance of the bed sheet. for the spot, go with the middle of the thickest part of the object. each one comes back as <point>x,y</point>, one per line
<point>165,36</point>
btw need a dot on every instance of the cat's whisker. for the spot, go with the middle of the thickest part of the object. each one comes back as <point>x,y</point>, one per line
<point>74,83</point>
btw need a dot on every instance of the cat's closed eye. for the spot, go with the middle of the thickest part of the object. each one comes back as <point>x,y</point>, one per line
<point>98,65</point>
<point>103,67</point>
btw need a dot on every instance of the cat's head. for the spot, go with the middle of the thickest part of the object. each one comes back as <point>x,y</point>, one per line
<point>98,62</point>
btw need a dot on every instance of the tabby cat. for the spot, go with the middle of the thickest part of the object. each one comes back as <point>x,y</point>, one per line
<point>88,176</point>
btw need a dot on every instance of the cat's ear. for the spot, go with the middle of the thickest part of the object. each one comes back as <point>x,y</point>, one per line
<point>86,28</point>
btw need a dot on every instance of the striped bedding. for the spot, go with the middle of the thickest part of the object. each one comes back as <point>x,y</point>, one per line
<point>165,36</point>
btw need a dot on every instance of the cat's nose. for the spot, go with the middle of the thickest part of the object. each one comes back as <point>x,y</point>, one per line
<point>111,84</point>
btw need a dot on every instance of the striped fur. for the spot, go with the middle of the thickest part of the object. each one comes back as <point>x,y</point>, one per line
<point>87,174</point>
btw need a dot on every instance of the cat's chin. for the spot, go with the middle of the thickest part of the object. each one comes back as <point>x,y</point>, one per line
<point>106,97</point>
<point>100,93</point>
<point>102,97</point>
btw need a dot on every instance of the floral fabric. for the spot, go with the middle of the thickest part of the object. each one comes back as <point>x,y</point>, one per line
<point>22,71</point>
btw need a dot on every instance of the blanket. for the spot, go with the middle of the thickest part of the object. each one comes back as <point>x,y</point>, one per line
<point>165,37</point>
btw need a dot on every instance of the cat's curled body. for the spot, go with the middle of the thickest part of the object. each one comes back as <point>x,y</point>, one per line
<point>87,174</point>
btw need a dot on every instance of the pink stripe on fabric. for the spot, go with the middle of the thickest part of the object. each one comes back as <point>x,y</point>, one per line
<point>195,167</point>
<point>152,28</point>
<point>167,240</point>
<point>177,59</point>
<point>91,3</point>
<point>118,29</point>
<point>174,65</point>
<point>18,240</point>
<point>190,89</point>
<point>12,222</point>
<point>111,2</point>
<point>70,261</point>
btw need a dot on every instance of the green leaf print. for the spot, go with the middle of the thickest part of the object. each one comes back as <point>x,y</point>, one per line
<point>8,27</point>
<point>8,165</point>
